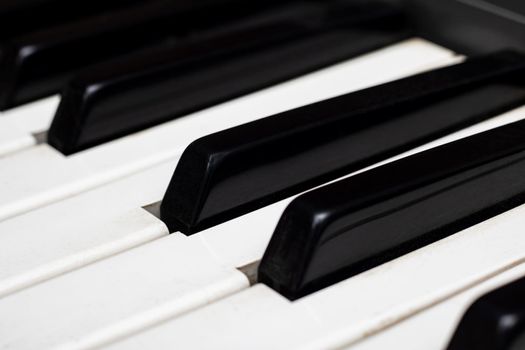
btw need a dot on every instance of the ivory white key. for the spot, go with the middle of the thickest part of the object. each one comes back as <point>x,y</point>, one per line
<point>79,230</point>
<point>353,309</point>
<point>18,125</point>
<point>432,329</point>
<point>41,175</point>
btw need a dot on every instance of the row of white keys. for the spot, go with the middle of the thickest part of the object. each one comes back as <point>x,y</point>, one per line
<point>116,297</point>
<point>57,238</point>
<point>433,328</point>
<point>243,240</point>
<point>106,220</point>
<point>184,273</point>
<point>41,175</point>
<point>216,252</point>
<point>19,125</point>
<point>348,312</point>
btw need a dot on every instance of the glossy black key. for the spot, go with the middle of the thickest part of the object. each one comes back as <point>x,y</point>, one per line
<point>496,321</point>
<point>353,225</point>
<point>25,16</point>
<point>38,64</point>
<point>232,172</point>
<point>105,102</point>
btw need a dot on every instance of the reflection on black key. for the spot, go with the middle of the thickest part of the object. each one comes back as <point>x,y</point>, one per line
<point>353,225</point>
<point>127,95</point>
<point>238,170</point>
<point>36,65</point>
<point>496,321</point>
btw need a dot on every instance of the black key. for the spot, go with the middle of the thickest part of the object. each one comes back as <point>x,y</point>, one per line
<point>353,225</point>
<point>38,64</point>
<point>496,321</point>
<point>127,95</point>
<point>25,16</point>
<point>232,172</point>
<point>470,26</point>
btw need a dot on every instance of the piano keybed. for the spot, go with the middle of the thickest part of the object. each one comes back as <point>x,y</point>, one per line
<point>134,213</point>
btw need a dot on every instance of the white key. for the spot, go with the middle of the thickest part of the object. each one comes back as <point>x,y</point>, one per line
<point>79,230</point>
<point>18,125</point>
<point>349,311</point>
<point>114,297</point>
<point>432,329</point>
<point>40,175</point>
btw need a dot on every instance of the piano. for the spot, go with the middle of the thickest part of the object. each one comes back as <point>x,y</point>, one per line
<point>294,174</point>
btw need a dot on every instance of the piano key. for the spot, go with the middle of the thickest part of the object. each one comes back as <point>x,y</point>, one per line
<point>235,171</point>
<point>41,175</point>
<point>18,126</point>
<point>38,64</point>
<point>494,321</point>
<point>354,309</point>
<point>91,306</point>
<point>14,139</point>
<point>433,328</point>
<point>203,70</point>
<point>79,230</point>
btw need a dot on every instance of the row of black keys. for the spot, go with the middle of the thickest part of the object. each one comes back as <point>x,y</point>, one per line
<point>130,64</point>
<point>360,222</point>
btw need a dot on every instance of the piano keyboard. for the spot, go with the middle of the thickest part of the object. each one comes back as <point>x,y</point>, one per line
<point>297,174</point>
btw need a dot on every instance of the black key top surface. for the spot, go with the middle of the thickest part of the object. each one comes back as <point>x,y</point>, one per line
<point>127,95</point>
<point>496,321</point>
<point>232,172</point>
<point>353,225</point>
